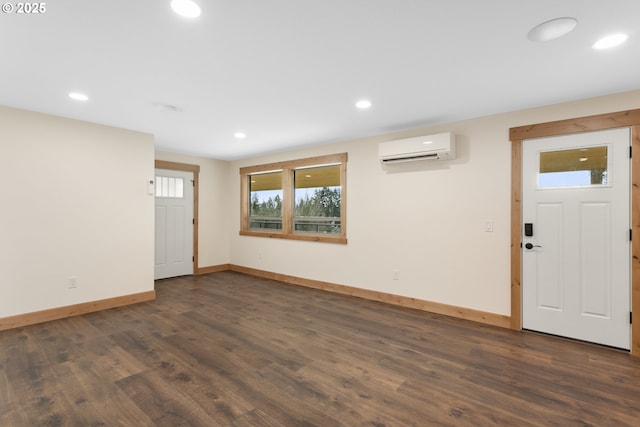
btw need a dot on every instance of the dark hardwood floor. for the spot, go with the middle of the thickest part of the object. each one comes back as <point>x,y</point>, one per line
<point>233,350</point>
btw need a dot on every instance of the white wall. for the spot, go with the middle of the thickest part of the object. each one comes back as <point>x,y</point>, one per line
<point>213,215</point>
<point>425,220</point>
<point>74,203</point>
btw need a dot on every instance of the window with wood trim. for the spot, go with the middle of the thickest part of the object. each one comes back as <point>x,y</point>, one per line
<point>302,199</point>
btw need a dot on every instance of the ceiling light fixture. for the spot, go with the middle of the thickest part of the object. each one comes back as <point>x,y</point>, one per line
<point>363,104</point>
<point>240,135</point>
<point>551,30</point>
<point>610,41</point>
<point>186,8</point>
<point>78,96</point>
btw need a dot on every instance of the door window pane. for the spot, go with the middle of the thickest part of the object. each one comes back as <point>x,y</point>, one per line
<point>169,187</point>
<point>265,201</point>
<point>317,200</point>
<point>576,167</point>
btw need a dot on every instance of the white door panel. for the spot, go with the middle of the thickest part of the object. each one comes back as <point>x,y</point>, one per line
<point>174,224</point>
<point>549,277</point>
<point>595,259</point>
<point>161,235</point>
<point>576,266</point>
<point>179,233</point>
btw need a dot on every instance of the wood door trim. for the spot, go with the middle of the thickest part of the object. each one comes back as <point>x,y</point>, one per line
<point>517,135</point>
<point>186,167</point>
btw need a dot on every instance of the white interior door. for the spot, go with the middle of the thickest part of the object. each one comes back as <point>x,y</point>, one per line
<point>576,250</point>
<point>174,223</point>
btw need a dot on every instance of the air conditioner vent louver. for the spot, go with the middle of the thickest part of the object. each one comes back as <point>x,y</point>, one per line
<point>411,158</point>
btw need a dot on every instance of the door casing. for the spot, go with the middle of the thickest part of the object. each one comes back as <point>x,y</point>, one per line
<point>630,119</point>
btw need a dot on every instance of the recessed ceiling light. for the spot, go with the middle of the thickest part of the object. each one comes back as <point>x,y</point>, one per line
<point>78,96</point>
<point>610,41</point>
<point>240,135</point>
<point>363,104</point>
<point>551,30</point>
<point>186,8</point>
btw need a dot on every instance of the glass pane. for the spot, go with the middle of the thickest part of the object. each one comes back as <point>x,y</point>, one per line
<point>158,186</point>
<point>317,200</point>
<point>179,187</point>
<point>172,188</point>
<point>169,187</point>
<point>265,196</point>
<point>577,167</point>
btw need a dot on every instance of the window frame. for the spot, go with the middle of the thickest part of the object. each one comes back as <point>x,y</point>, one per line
<point>288,199</point>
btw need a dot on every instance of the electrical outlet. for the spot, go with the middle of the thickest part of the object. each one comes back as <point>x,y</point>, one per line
<point>72,283</point>
<point>396,274</point>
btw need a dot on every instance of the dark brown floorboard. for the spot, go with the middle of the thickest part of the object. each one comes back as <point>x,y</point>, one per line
<point>228,349</point>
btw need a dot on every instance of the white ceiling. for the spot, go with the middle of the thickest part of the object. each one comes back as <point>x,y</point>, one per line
<point>288,72</point>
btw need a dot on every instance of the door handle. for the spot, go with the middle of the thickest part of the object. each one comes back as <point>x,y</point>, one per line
<point>531,246</point>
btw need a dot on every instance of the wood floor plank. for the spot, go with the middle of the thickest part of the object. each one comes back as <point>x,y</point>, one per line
<point>96,394</point>
<point>227,349</point>
<point>162,403</point>
<point>186,374</point>
<point>110,360</point>
<point>246,384</point>
<point>327,396</point>
<point>256,418</point>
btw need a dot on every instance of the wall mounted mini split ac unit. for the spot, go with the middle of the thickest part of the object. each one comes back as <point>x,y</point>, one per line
<point>441,146</point>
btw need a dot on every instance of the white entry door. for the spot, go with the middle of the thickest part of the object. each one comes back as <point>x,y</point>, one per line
<point>576,240</point>
<point>174,223</point>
